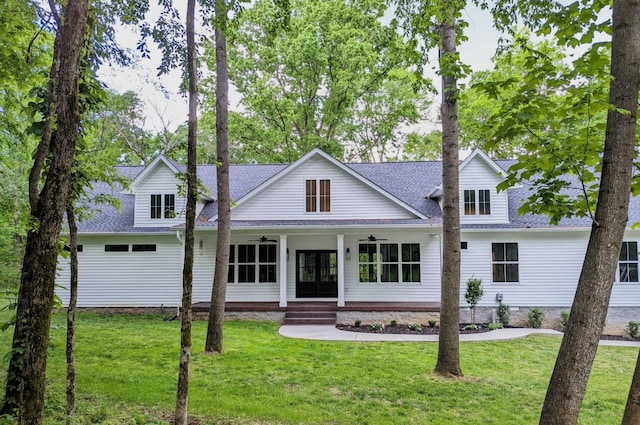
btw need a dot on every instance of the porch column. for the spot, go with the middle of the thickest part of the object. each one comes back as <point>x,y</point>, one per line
<point>283,270</point>
<point>340,270</point>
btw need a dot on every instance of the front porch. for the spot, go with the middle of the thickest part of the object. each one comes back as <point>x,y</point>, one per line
<point>322,312</point>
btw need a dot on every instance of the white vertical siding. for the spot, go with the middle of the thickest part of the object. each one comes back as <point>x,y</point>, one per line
<point>477,175</point>
<point>125,279</point>
<point>350,198</point>
<point>160,180</point>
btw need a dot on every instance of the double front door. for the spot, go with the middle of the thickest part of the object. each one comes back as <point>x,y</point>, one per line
<point>316,274</point>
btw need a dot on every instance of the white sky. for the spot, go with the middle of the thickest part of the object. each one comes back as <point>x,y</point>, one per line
<point>165,107</point>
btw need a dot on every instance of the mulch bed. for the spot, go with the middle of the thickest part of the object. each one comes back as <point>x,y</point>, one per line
<point>402,329</point>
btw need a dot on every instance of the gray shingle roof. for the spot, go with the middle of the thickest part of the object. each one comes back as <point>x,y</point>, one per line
<point>409,182</point>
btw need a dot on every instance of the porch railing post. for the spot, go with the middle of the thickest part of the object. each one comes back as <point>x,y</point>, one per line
<point>340,270</point>
<point>283,270</point>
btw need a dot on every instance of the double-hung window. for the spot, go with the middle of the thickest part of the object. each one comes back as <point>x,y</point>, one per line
<point>469,202</point>
<point>318,195</point>
<point>389,263</point>
<point>160,209</point>
<point>628,263</point>
<point>267,263</point>
<point>504,261</point>
<point>477,205</point>
<point>247,267</point>
<point>156,206</point>
<point>169,205</point>
<point>246,263</point>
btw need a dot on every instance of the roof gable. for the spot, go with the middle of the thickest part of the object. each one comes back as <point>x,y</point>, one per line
<point>319,155</point>
<point>479,153</point>
<point>160,160</point>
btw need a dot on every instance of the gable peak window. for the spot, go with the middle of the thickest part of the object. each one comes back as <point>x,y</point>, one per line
<point>318,195</point>
<point>163,206</point>
<point>477,202</point>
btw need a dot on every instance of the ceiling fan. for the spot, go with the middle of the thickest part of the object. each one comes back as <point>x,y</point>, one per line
<point>372,238</point>
<point>263,239</point>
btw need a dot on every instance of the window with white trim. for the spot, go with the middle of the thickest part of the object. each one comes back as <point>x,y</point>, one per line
<point>477,205</point>
<point>318,195</point>
<point>504,262</point>
<point>628,262</point>
<point>389,262</point>
<point>247,267</point>
<point>163,206</point>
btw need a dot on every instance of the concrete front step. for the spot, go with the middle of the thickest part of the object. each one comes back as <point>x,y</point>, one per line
<point>318,314</point>
<point>300,306</point>
<point>309,321</point>
<point>314,313</point>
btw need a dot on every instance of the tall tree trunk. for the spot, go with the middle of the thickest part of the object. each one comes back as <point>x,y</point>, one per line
<point>187,272</point>
<point>218,292</point>
<point>632,409</point>
<point>71,314</point>
<point>589,310</point>
<point>26,375</point>
<point>449,339</point>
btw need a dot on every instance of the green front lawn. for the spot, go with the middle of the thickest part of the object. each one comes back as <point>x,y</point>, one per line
<point>127,372</point>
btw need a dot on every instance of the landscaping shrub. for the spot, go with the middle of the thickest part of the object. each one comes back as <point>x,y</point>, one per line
<point>393,323</point>
<point>504,314</point>
<point>536,316</point>
<point>377,326</point>
<point>432,323</point>
<point>357,323</point>
<point>633,329</point>
<point>495,325</point>
<point>415,327</point>
<point>473,295</point>
<point>564,318</point>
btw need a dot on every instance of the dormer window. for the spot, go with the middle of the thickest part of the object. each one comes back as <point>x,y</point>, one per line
<point>477,205</point>
<point>160,209</point>
<point>318,195</point>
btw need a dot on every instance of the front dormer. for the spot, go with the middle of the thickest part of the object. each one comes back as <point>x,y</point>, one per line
<point>157,203</point>
<point>480,202</point>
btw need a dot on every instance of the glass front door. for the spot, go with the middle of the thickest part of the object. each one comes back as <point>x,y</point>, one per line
<point>316,274</point>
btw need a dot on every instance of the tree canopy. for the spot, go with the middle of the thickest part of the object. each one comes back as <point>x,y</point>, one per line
<point>320,76</point>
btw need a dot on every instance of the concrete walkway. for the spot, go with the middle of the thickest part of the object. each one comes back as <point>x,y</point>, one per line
<point>330,333</point>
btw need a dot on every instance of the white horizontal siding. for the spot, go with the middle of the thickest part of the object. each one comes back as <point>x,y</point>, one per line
<point>428,290</point>
<point>549,268</point>
<point>477,175</point>
<point>125,279</point>
<point>626,294</point>
<point>160,180</point>
<point>204,268</point>
<point>350,198</point>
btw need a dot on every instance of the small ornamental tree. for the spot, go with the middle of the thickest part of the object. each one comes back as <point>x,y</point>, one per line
<point>473,295</point>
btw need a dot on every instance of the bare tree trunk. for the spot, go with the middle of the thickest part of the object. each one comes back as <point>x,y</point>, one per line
<point>449,339</point>
<point>26,375</point>
<point>589,310</point>
<point>218,292</point>
<point>632,409</point>
<point>187,272</point>
<point>71,314</point>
